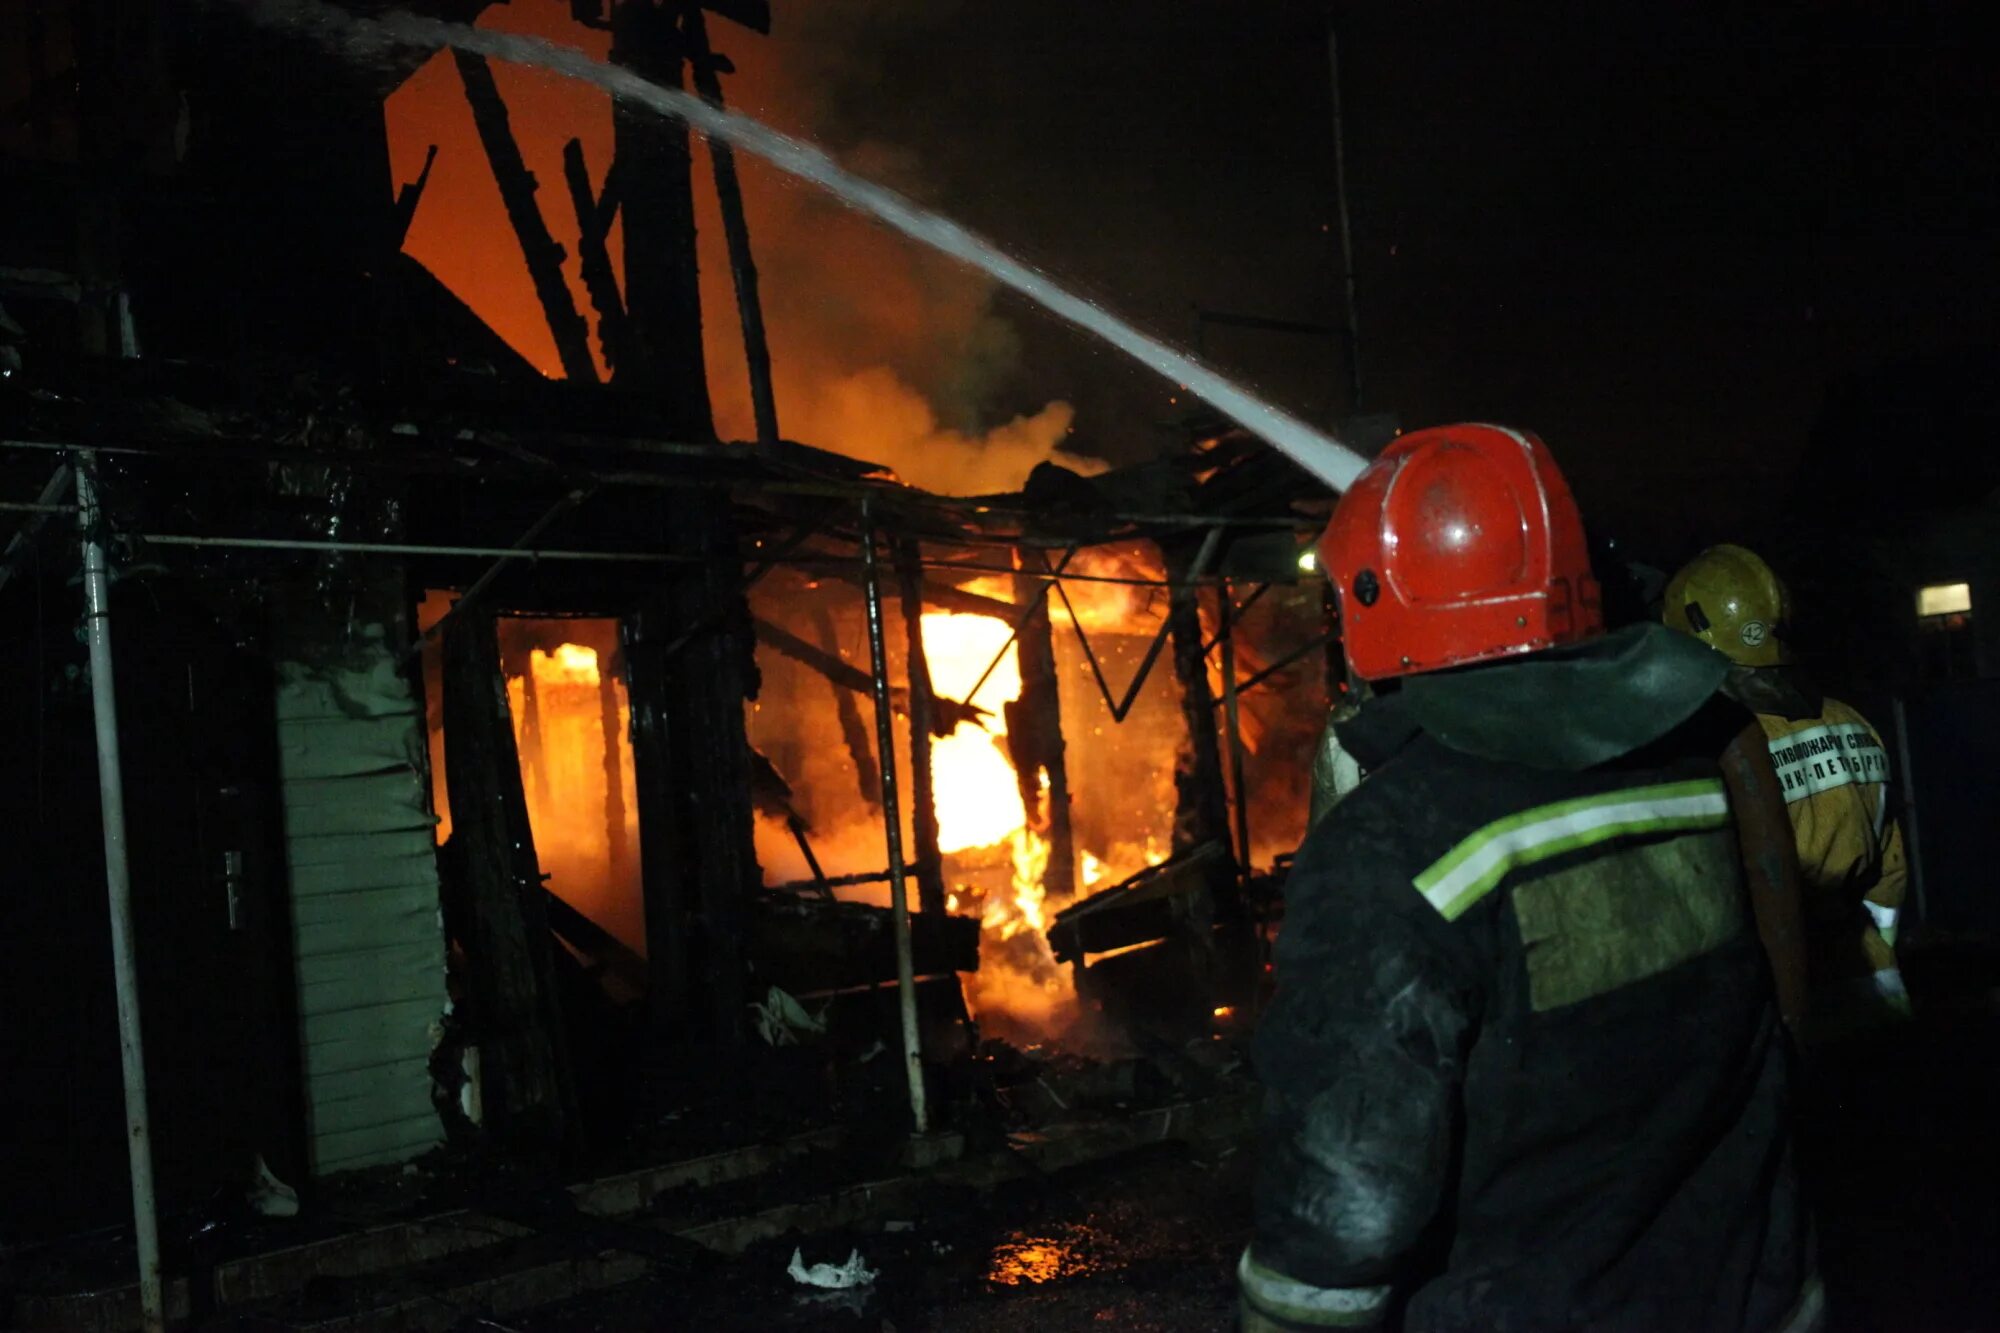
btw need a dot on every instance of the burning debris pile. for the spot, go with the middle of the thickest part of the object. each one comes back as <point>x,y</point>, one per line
<point>1037,783</point>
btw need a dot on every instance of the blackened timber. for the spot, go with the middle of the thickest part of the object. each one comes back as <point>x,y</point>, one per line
<point>662,356</point>
<point>609,672</point>
<point>1233,720</point>
<point>1201,809</point>
<point>922,714</point>
<point>853,731</point>
<point>411,195</point>
<point>594,214</point>
<point>946,713</point>
<point>1034,732</point>
<point>524,1076</point>
<point>694,770</point>
<point>825,660</point>
<point>517,192</point>
<point>943,595</point>
<point>1173,898</point>
<point>708,68</point>
<point>810,944</point>
<point>534,756</point>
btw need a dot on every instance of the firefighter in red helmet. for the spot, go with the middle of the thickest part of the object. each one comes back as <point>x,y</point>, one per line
<point>1524,1065</point>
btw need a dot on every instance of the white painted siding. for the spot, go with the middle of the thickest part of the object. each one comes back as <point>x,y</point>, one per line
<point>367,942</point>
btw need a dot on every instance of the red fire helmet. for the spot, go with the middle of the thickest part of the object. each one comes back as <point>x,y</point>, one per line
<point>1458,544</point>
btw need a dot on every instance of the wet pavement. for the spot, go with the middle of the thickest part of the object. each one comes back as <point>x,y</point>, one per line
<point>1146,1244</point>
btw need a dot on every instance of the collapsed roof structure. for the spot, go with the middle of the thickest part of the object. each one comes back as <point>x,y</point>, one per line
<point>268,435</point>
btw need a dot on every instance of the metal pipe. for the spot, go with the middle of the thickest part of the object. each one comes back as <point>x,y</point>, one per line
<point>1285,661</point>
<point>1241,607</point>
<point>405,548</point>
<point>723,611</point>
<point>892,817</point>
<point>1119,708</point>
<point>1020,622</point>
<point>52,491</point>
<point>638,557</point>
<point>118,887</point>
<point>223,453</point>
<point>922,706</point>
<point>485,580</point>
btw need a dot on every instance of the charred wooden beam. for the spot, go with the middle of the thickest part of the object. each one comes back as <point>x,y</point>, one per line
<point>411,195</point>
<point>525,1078</point>
<point>1201,810</point>
<point>823,660</point>
<point>662,354</point>
<point>946,713</point>
<point>708,68</point>
<point>692,759</point>
<point>809,944</point>
<point>604,954</point>
<point>610,726</point>
<point>594,215</point>
<point>534,755</point>
<point>853,731</point>
<point>1232,719</point>
<point>943,595</point>
<point>923,714</point>
<point>517,191</point>
<point>1035,735</point>
<point>1168,900</point>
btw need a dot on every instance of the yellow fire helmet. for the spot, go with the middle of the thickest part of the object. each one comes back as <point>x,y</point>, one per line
<point>1735,603</point>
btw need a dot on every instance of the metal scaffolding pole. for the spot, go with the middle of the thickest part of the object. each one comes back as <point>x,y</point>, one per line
<point>892,816</point>
<point>118,886</point>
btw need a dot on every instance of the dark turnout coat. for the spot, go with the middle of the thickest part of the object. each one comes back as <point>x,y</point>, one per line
<point>1524,1066</point>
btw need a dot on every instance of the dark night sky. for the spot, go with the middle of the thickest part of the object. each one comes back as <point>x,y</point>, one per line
<point>1655,234</point>
<point>1659,234</point>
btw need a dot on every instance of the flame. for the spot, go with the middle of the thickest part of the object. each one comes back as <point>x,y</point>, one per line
<point>561,738</point>
<point>978,797</point>
<point>1093,870</point>
<point>978,802</point>
<point>1030,853</point>
<point>1019,985</point>
<point>569,664</point>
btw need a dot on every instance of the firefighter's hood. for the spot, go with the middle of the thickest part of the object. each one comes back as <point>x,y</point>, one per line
<point>1573,707</point>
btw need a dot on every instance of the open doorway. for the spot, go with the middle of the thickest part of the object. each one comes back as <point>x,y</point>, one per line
<point>566,692</point>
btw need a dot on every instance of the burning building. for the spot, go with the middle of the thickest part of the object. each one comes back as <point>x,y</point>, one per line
<point>513,761</point>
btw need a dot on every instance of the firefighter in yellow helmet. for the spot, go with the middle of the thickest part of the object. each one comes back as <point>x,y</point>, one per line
<point>1835,774</point>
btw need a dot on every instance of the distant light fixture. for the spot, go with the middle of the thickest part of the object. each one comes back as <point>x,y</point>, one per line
<point>1308,560</point>
<point>1944,599</point>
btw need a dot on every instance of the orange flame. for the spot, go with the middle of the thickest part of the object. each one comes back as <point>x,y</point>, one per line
<point>978,798</point>
<point>569,664</point>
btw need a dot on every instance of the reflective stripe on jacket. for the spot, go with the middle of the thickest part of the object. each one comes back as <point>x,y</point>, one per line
<point>1523,1062</point>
